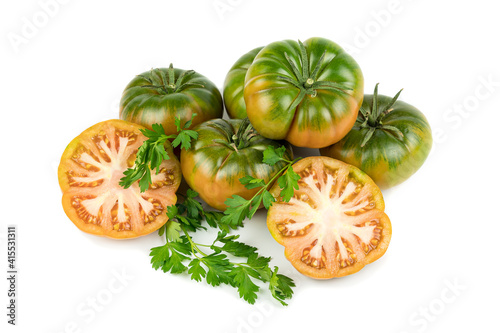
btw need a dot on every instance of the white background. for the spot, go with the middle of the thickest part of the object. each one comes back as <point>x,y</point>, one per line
<point>68,74</point>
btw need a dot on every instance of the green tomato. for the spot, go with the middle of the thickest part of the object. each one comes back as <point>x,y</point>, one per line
<point>306,93</point>
<point>163,94</point>
<point>390,140</point>
<point>234,84</point>
<point>225,151</point>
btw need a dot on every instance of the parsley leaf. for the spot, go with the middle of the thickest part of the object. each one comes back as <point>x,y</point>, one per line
<point>213,263</point>
<point>214,218</point>
<point>184,135</point>
<point>239,208</point>
<point>172,230</point>
<point>196,270</point>
<point>246,287</point>
<point>170,257</point>
<point>238,249</point>
<point>251,182</point>
<point>274,155</point>
<point>152,152</point>
<point>218,269</point>
<point>288,183</point>
<point>226,260</point>
<point>281,286</point>
<point>267,199</point>
<point>194,208</point>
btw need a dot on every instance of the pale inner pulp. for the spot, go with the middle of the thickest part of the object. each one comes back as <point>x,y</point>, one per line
<point>98,198</point>
<point>330,216</point>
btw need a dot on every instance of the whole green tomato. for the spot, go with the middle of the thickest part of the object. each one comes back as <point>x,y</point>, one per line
<point>225,151</point>
<point>390,140</point>
<point>306,93</point>
<point>160,95</point>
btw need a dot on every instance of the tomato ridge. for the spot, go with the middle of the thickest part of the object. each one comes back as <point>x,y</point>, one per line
<point>168,85</point>
<point>306,81</point>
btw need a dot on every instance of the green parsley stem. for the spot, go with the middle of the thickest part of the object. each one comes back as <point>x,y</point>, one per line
<point>290,162</point>
<point>194,246</point>
<point>244,264</point>
<point>277,175</point>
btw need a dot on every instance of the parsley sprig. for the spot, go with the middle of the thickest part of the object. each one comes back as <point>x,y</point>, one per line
<point>152,152</point>
<point>239,208</point>
<point>225,261</point>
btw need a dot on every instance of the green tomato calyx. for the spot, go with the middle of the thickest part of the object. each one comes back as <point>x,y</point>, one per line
<point>239,140</point>
<point>306,80</point>
<point>373,119</point>
<point>166,83</point>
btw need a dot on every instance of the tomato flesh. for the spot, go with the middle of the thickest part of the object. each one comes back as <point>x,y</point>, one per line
<point>89,174</point>
<point>335,224</point>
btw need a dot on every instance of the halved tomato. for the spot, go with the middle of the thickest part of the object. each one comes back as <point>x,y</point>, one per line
<point>89,174</point>
<point>335,224</point>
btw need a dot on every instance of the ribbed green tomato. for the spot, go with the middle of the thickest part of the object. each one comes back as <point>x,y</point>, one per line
<point>234,84</point>
<point>225,151</point>
<point>390,140</point>
<point>163,94</point>
<point>306,93</point>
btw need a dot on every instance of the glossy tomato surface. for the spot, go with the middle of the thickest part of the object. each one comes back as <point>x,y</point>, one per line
<point>160,95</point>
<point>306,93</point>
<point>218,159</point>
<point>335,224</point>
<point>234,84</point>
<point>89,174</point>
<point>399,144</point>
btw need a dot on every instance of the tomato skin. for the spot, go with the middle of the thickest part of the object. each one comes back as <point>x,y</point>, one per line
<point>108,181</point>
<point>281,212</point>
<point>213,169</point>
<point>234,84</point>
<point>318,121</point>
<point>147,105</point>
<point>387,160</point>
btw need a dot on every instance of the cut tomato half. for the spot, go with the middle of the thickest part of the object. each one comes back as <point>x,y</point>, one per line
<point>335,223</point>
<point>89,174</point>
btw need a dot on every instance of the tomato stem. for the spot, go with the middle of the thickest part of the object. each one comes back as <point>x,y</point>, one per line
<point>194,246</point>
<point>305,80</point>
<point>166,83</point>
<point>373,119</point>
<point>239,140</point>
